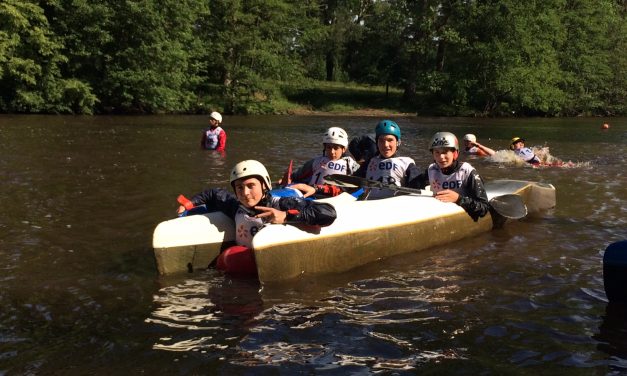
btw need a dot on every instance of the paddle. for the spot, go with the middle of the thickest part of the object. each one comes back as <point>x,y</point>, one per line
<point>350,181</point>
<point>508,205</point>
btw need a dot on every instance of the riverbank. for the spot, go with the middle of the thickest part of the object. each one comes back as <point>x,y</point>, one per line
<point>371,112</point>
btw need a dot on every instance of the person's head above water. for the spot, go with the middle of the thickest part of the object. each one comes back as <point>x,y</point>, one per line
<point>250,181</point>
<point>388,135</point>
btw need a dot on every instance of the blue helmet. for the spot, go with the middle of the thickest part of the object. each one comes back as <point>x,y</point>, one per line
<point>388,127</point>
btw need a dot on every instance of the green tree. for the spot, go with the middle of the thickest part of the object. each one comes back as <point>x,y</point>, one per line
<point>149,62</point>
<point>590,52</point>
<point>30,61</point>
<point>252,44</point>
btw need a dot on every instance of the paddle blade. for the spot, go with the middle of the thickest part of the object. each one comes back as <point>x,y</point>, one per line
<point>346,181</point>
<point>287,177</point>
<point>509,206</point>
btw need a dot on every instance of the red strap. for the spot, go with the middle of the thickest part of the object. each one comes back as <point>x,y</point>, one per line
<point>330,190</point>
<point>293,212</point>
<point>185,202</point>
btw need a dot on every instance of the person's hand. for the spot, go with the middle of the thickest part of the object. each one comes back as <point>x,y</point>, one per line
<point>447,195</point>
<point>271,215</point>
<point>307,190</point>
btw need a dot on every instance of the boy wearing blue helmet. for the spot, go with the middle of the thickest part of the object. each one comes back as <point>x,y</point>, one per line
<point>386,166</point>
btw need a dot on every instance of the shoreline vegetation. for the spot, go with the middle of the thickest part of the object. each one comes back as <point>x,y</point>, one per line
<point>502,58</point>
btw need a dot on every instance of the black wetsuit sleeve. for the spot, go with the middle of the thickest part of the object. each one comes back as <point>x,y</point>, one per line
<point>361,171</point>
<point>217,199</point>
<point>307,212</point>
<point>417,179</point>
<point>476,203</point>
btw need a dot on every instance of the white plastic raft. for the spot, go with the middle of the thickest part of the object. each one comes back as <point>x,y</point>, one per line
<point>364,232</point>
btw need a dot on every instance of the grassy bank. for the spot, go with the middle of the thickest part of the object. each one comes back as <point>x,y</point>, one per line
<point>313,98</point>
<point>335,98</point>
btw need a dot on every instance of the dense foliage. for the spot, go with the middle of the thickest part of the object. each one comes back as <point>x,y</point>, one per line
<point>487,57</point>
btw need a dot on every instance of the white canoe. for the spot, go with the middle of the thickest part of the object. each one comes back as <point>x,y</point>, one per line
<point>364,232</point>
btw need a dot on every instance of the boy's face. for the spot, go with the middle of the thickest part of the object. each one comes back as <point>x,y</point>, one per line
<point>213,122</point>
<point>518,145</point>
<point>444,157</point>
<point>334,151</point>
<point>387,145</point>
<point>249,191</point>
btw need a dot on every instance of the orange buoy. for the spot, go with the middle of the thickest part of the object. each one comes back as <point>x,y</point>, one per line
<point>605,126</point>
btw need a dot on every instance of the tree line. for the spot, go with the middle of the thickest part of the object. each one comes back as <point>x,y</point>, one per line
<point>486,57</point>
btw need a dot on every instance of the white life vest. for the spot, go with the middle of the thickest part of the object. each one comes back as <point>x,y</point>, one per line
<point>455,181</point>
<point>211,139</point>
<point>323,166</point>
<point>388,171</point>
<point>246,226</point>
<point>527,155</point>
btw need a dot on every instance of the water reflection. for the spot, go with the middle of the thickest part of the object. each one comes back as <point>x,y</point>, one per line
<point>212,311</point>
<point>82,195</point>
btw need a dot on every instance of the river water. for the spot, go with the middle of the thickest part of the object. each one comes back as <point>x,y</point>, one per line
<point>80,294</point>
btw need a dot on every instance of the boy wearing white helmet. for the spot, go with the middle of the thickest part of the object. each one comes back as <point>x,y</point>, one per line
<point>472,147</point>
<point>251,206</point>
<point>214,137</point>
<point>452,181</point>
<point>310,177</point>
<point>386,166</point>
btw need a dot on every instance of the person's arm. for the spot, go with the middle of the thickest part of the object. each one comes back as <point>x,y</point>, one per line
<point>221,141</point>
<point>306,189</point>
<point>307,212</point>
<point>486,150</point>
<point>217,199</point>
<point>203,140</point>
<point>476,202</point>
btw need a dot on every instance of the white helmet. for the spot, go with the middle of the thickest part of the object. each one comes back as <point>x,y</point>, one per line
<point>216,116</point>
<point>444,140</point>
<point>336,136</point>
<point>250,168</point>
<point>470,137</point>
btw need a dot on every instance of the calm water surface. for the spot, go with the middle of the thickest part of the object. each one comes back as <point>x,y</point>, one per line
<point>79,291</point>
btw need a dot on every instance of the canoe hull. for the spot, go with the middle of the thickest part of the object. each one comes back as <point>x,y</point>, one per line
<point>364,232</point>
<point>342,251</point>
<point>189,243</point>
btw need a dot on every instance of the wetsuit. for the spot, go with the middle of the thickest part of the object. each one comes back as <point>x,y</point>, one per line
<point>246,225</point>
<point>461,178</point>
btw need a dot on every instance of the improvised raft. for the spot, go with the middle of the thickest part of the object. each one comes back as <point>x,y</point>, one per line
<point>364,232</point>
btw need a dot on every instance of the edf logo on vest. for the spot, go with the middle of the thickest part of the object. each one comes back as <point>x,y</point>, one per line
<point>452,184</point>
<point>332,165</point>
<point>386,165</point>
